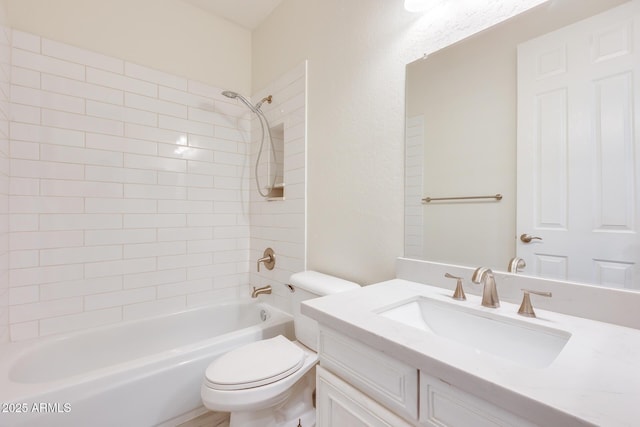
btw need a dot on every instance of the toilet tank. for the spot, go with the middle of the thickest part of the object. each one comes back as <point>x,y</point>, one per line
<point>307,285</point>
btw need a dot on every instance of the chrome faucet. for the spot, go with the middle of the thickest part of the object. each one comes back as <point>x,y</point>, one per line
<point>484,275</point>
<point>516,264</point>
<point>262,290</point>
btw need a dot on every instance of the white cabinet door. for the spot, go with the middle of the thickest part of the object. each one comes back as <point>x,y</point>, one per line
<point>442,405</point>
<point>340,405</point>
<point>579,150</point>
<point>387,380</point>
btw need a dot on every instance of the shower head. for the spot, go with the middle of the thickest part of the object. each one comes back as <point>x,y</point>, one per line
<point>236,95</point>
<point>230,94</point>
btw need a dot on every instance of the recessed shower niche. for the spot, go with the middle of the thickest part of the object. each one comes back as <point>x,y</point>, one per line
<point>277,167</point>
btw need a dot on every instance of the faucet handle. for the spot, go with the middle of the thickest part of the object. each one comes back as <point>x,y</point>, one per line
<point>268,258</point>
<point>526,309</point>
<point>459,292</point>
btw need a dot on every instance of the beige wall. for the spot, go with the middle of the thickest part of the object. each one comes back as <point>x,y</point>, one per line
<point>357,52</point>
<point>3,12</point>
<point>167,35</point>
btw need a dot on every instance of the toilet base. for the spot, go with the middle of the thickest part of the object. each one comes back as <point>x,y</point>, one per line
<point>298,406</point>
<point>268,419</point>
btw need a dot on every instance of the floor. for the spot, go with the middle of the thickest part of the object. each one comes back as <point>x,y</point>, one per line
<point>210,419</point>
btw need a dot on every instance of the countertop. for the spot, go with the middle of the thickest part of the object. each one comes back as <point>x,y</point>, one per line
<point>595,380</point>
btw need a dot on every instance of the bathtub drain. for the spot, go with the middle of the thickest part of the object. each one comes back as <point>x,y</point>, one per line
<point>263,315</point>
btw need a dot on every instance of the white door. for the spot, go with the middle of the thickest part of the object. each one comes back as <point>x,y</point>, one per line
<point>579,151</point>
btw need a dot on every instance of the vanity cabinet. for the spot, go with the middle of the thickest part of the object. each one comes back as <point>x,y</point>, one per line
<point>360,386</point>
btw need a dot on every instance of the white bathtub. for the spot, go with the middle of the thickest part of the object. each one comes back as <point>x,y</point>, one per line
<point>138,373</point>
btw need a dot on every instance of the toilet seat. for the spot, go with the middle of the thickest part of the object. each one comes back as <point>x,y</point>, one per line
<point>255,364</point>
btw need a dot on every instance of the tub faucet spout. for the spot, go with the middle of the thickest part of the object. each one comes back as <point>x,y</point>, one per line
<point>484,276</point>
<point>262,290</point>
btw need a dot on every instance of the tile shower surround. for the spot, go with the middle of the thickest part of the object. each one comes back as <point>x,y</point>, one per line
<point>5,73</point>
<point>129,191</point>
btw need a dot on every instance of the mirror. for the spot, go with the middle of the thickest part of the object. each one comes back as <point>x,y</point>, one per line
<point>461,133</point>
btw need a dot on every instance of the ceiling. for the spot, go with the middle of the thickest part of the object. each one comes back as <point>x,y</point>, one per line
<point>246,13</point>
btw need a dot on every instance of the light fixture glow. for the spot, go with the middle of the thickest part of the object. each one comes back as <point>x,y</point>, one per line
<point>417,5</point>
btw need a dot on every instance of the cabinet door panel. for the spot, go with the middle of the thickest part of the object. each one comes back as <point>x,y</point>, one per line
<point>339,404</point>
<point>442,405</point>
<point>389,381</point>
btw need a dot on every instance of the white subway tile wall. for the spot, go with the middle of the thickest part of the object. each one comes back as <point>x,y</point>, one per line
<point>281,225</point>
<point>129,190</point>
<point>23,257</point>
<point>413,194</point>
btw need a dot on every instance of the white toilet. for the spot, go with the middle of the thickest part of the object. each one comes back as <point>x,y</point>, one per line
<point>270,383</point>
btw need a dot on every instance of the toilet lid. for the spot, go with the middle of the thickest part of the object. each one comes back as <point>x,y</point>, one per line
<point>255,364</point>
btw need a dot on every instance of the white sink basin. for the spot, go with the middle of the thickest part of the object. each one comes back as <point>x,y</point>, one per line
<point>521,342</point>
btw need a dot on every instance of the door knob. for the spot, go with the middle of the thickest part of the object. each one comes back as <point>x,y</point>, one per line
<point>526,238</point>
